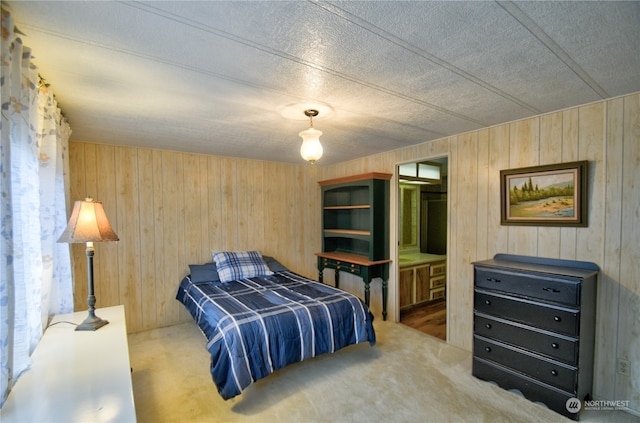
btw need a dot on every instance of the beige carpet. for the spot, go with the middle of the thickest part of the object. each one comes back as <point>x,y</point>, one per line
<point>406,377</point>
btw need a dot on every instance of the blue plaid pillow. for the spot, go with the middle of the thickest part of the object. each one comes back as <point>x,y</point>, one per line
<point>234,265</point>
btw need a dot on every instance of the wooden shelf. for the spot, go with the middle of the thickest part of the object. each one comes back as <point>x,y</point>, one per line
<point>351,258</point>
<point>355,216</point>
<point>355,229</point>
<point>347,232</point>
<point>356,178</point>
<point>363,206</point>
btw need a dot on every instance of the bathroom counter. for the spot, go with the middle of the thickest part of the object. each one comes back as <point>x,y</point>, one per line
<point>414,259</point>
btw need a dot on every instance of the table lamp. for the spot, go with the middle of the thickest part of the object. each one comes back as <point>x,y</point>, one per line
<point>88,223</point>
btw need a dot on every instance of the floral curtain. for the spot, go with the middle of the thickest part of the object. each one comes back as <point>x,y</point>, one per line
<point>35,271</point>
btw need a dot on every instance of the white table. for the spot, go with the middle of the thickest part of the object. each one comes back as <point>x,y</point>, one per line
<point>76,376</point>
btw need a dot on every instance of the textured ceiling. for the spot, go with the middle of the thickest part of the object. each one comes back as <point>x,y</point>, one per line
<point>233,78</point>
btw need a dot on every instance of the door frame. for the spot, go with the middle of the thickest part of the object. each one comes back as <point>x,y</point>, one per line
<point>396,228</point>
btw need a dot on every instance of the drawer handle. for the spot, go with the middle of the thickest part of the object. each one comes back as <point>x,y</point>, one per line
<point>555,346</point>
<point>488,326</point>
<point>487,302</point>
<point>487,349</point>
<point>554,290</point>
<point>557,318</point>
<point>494,280</point>
<point>554,372</point>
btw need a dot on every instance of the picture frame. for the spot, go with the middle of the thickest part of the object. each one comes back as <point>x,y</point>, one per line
<point>547,195</point>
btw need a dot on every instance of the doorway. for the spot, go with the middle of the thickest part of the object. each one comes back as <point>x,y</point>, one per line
<point>422,245</point>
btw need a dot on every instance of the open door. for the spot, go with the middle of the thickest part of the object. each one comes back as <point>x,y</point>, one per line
<point>422,245</point>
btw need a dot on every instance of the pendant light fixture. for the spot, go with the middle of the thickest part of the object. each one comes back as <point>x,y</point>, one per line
<point>311,149</point>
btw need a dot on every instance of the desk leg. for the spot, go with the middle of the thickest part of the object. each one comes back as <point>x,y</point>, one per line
<point>367,282</point>
<point>337,279</point>
<point>321,276</point>
<point>384,299</point>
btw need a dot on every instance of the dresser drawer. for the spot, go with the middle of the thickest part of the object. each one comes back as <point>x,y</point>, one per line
<point>552,345</point>
<point>341,265</point>
<point>546,287</point>
<point>436,294</point>
<point>554,398</point>
<point>552,372</point>
<point>438,269</point>
<point>437,282</point>
<point>556,319</point>
<point>349,267</point>
<point>331,263</point>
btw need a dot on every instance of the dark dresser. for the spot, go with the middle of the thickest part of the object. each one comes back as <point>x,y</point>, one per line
<point>534,321</point>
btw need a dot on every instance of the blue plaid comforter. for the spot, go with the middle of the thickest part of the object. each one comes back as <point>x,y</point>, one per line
<point>258,325</point>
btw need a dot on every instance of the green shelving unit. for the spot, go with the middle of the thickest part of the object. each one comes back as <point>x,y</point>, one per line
<point>355,228</point>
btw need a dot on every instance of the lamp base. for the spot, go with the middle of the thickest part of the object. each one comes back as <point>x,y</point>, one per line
<point>92,322</point>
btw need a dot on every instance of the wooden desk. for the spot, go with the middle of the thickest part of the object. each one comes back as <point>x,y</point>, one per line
<point>76,376</point>
<point>360,266</point>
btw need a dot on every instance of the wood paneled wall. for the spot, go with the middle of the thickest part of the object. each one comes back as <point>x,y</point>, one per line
<point>171,209</point>
<point>607,134</point>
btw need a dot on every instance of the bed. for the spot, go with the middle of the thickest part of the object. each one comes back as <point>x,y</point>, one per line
<point>258,317</point>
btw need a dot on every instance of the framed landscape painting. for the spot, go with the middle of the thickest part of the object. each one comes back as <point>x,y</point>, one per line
<point>549,195</point>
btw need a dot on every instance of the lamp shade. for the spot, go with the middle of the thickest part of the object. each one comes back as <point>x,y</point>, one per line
<point>88,223</point>
<point>311,149</point>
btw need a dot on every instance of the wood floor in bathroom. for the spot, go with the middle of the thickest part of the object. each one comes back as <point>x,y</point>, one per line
<point>430,318</point>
